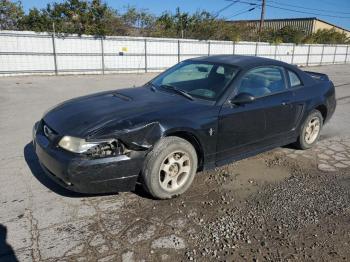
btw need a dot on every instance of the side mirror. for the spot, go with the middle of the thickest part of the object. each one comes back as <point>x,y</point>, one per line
<point>242,98</point>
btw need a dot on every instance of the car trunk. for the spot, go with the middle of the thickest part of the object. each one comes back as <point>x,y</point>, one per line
<point>317,76</point>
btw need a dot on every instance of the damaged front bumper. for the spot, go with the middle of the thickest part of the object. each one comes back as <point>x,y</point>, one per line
<point>82,174</point>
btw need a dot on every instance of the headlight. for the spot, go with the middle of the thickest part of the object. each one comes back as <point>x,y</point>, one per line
<point>98,148</point>
<point>77,145</point>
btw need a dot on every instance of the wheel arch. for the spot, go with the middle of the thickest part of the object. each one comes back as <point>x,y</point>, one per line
<point>323,110</point>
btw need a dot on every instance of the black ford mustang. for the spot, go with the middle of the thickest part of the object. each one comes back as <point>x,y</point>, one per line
<point>199,114</point>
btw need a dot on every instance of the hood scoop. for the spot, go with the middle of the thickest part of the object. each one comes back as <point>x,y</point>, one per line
<point>122,97</point>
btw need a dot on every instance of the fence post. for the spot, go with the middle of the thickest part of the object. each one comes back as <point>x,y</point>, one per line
<point>178,51</point>
<point>208,47</point>
<point>346,55</point>
<point>322,54</point>
<point>233,48</point>
<point>335,53</point>
<point>293,54</point>
<point>275,55</point>
<point>54,53</point>
<point>256,48</point>
<point>308,55</point>
<point>145,55</point>
<point>102,57</point>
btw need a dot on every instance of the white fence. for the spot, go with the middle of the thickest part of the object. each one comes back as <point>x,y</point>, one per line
<point>43,53</point>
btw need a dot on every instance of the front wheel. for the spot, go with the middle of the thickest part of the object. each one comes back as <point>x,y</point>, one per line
<point>310,131</point>
<point>169,168</point>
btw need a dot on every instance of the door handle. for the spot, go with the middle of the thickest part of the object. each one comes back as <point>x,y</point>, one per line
<point>286,102</point>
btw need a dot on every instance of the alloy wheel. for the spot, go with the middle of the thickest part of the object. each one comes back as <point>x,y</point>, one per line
<point>312,130</point>
<point>174,171</point>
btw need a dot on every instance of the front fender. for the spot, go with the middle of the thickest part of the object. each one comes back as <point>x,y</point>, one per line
<point>138,137</point>
<point>144,136</point>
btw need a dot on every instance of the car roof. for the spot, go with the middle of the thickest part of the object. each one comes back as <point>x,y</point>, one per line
<point>241,61</point>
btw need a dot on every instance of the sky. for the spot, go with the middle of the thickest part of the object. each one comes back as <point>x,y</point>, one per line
<point>334,11</point>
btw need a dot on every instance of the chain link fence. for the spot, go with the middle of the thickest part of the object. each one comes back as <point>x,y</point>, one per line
<point>45,53</point>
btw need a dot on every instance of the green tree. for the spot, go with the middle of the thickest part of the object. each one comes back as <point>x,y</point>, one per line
<point>164,26</point>
<point>200,25</point>
<point>94,17</point>
<point>103,20</point>
<point>130,17</point>
<point>11,15</point>
<point>138,21</point>
<point>287,34</point>
<point>37,20</point>
<point>75,17</point>
<point>330,36</point>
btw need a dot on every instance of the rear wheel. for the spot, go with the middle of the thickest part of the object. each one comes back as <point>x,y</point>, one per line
<point>310,131</point>
<point>169,168</point>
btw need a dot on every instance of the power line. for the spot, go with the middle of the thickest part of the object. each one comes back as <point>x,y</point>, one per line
<point>333,4</point>
<point>239,13</point>
<point>309,13</point>
<point>330,3</point>
<point>307,8</point>
<point>250,3</point>
<point>296,11</point>
<point>242,11</point>
<point>226,7</point>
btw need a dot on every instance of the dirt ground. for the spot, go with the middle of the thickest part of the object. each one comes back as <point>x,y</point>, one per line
<point>282,205</point>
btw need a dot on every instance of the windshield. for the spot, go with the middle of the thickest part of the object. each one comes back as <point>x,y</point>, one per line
<point>198,79</point>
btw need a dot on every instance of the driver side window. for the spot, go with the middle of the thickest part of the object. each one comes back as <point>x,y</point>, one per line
<point>262,81</point>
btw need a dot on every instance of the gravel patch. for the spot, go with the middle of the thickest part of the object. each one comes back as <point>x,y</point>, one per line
<point>267,221</point>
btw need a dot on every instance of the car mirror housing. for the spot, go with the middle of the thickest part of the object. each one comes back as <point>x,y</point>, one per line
<point>242,98</point>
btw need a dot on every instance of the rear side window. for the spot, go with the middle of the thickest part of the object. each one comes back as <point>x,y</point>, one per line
<point>220,70</point>
<point>294,80</point>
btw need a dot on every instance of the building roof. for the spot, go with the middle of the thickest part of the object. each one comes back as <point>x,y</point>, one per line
<point>290,19</point>
<point>275,19</point>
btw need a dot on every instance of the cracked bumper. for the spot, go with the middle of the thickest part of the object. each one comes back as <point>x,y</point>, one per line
<point>84,175</point>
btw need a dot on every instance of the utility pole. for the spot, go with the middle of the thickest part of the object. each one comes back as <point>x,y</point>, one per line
<point>53,28</point>
<point>54,48</point>
<point>262,17</point>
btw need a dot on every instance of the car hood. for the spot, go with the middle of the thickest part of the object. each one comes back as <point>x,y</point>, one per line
<point>82,116</point>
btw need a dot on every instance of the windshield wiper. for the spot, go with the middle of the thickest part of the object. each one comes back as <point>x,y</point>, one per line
<point>179,91</point>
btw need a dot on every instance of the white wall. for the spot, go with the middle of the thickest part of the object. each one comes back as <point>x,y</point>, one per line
<point>31,53</point>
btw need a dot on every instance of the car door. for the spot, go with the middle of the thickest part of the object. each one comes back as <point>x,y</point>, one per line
<point>249,127</point>
<point>242,128</point>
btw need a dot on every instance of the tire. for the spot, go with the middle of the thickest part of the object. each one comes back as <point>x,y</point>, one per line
<point>169,168</point>
<point>305,139</point>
